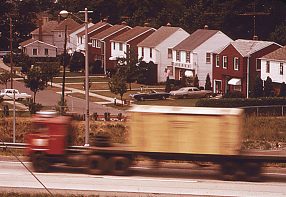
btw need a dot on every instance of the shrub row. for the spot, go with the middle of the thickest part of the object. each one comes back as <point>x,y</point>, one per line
<point>241,102</point>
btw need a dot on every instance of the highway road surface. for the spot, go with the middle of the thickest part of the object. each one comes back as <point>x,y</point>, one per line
<point>163,181</point>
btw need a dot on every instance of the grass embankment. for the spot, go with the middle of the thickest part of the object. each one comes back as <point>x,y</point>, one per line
<point>259,132</point>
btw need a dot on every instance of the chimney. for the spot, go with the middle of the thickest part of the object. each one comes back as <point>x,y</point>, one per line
<point>255,37</point>
<point>206,27</point>
<point>105,20</point>
<point>45,20</point>
<point>40,29</point>
<point>146,24</point>
<point>169,24</point>
<point>123,23</point>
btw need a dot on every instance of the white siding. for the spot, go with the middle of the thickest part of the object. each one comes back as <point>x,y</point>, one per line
<point>274,73</point>
<point>116,52</point>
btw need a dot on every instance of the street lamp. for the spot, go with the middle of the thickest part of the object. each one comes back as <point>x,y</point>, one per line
<point>65,13</point>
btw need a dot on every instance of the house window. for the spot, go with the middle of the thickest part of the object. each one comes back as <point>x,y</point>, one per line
<point>208,58</point>
<point>258,65</point>
<point>224,63</point>
<point>98,44</point>
<point>151,53</point>
<point>281,68</point>
<point>178,56</point>
<point>120,47</point>
<point>46,52</point>
<point>93,43</point>
<point>114,45</point>
<point>217,60</point>
<point>236,63</point>
<point>142,52</point>
<point>188,57</point>
<point>80,40</point>
<point>267,67</point>
<point>170,53</point>
<point>35,51</point>
<point>170,72</point>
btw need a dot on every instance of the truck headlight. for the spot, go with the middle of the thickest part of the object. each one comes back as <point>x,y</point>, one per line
<point>40,142</point>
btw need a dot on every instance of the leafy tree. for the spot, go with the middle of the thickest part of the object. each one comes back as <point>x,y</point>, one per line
<point>129,66</point>
<point>282,90</point>
<point>117,85</point>
<point>5,78</point>
<point>50,70</point>
<point>35,80</point>
<point>268,87</point>
<point>208,85</point>
<point>196,81</point>
<point>258,87</point>
<point>279,35</point>
<point>77,62</point>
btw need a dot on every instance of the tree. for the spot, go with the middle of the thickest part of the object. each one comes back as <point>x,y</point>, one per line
<point>268,87</point>
<point>50,70</point>
<point>279,34</point>
<point>5,78</point>
<point>258,87</point>
<point>208,85</point>
<point>35,80</point>
<point>77,62</point>
<point>117,85</point>
<point>196,81</point>
<point>282,90</point>
<point>129,66</point>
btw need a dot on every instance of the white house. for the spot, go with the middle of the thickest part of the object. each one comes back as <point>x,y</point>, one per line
<point>194,54</point>
<point>158,48</point>
<point>273,65</point>
<point>72,41</point>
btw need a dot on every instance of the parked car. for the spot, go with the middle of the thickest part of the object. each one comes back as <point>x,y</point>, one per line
<point>190,92</point>
<point>8,94</point>
<point>150,95</point>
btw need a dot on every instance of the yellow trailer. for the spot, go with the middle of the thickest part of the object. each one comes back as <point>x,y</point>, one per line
<point>194,130</point>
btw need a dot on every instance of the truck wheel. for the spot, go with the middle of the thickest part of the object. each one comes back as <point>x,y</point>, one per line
<point>40,162</point>
<point>119,165</point>
<point>253,171</point>
<point>228,171</point>
<point>96,165</point>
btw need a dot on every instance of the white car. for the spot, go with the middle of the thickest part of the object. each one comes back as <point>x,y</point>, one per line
<point>8,94</point>
<point>190,92</point>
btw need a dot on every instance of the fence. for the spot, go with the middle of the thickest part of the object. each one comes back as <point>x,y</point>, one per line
<point>272,110</point>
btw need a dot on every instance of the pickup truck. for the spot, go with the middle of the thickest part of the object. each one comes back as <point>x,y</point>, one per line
<point>8,94</point>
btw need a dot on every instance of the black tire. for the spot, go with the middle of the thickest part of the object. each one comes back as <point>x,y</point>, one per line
<point>40,162</point>
<point>119,165</point>
<point>228,171</point>
<point>207,96</point>
<point>253,171</point>
<point>163,98</point>
<point>96,165</point>
<point>141,98</point>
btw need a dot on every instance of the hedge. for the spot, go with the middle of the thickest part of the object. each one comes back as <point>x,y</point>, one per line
<point>241,102</point>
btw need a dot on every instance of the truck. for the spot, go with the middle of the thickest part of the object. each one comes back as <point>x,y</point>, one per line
<point>161,133</point>
<point>9,94</point>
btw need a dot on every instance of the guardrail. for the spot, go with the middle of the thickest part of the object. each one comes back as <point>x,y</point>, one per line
<point>13,145</point>
<point>271,110</point>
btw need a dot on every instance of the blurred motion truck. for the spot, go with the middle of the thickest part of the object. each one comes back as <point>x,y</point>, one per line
<point>161,133</point>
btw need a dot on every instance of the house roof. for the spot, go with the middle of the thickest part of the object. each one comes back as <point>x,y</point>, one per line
<point>132,33</point>
<point>31,41</point>
<point>279,54</point>
<point>248,47</point>
<point>158,36</point>
<point>69,22</point>
<point>94,27</point>
<point>81,26</point>
<point>195,39</point>
<point>47,27</point>
<point>108,32</point>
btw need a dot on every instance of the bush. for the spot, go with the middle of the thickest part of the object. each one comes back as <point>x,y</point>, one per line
<point>34,107</point>
<point>233,94</point>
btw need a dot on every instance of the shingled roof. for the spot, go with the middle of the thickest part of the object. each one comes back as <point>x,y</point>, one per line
<point>279,54</point>
<point>46,28</point>
<point>195,39</point>
<point>158,36</point>
<point>102,35</point>
<point>93,28</point>
<point>70,23</point>
<point>132,33</point>
<point>248,47</point>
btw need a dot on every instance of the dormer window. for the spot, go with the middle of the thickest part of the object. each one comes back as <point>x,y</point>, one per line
<point>151,53</point>
<point>120,47</point>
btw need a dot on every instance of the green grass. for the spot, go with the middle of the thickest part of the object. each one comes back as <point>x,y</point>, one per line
<point>80,80</point>
<point>169,102</point>
<point>82,96</point>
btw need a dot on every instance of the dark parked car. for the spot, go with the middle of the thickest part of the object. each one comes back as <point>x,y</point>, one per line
<point>150,95</point>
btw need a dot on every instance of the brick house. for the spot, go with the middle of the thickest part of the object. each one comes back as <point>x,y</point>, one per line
<point>273,65</point>
<point>194,54</point>
<point>236,65</point>
<point>100,50</point>
<point>121,44</point>
<point>158,48</point>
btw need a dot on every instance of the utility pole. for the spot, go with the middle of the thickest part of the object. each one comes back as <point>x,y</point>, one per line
<point>11,50</point>
<point>254,14</point>
<point>64,71</point>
